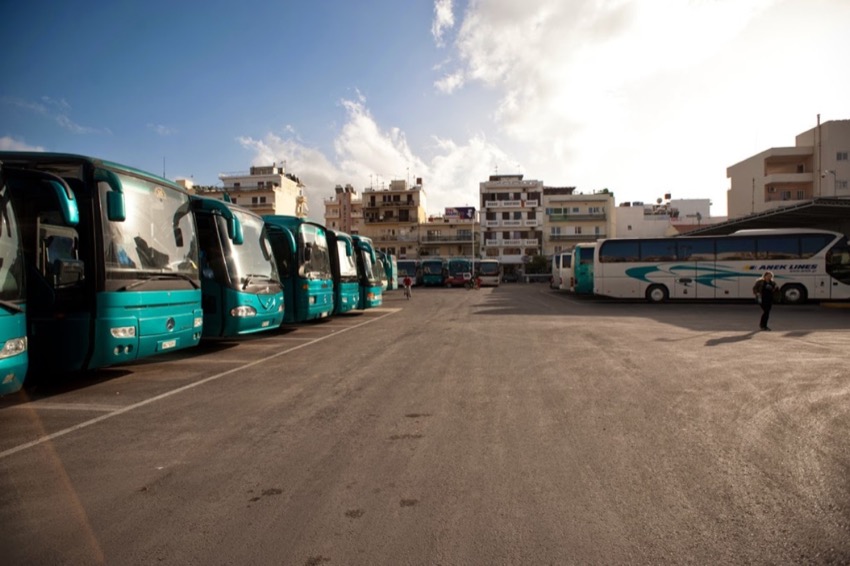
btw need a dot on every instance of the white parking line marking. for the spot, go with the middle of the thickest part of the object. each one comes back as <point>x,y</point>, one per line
<point>127,409</point>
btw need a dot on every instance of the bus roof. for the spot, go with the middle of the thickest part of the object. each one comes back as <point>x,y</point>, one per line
<point>11,157</point>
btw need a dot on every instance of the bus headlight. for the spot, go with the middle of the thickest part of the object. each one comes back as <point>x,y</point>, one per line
<point>312,300</point>
<point>199,322</point>
<point>13,347</point>
<point>280,308</point>
<point>123,332</point>
<point>243,311</point>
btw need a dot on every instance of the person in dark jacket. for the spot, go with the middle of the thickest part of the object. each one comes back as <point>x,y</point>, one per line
<point>764,290</point>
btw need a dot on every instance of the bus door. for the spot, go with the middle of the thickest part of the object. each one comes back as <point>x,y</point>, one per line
<point>57,286</point>
<point>694,270</point>
<point>835,283</point>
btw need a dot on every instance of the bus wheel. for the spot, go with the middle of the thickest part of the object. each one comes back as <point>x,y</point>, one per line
<point>793,294</point>
<point>657,294</point>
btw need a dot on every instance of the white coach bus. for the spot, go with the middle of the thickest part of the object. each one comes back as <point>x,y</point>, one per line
<point>806,263</point>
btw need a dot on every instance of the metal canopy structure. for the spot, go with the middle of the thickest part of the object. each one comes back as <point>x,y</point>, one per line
<point>820,213</point>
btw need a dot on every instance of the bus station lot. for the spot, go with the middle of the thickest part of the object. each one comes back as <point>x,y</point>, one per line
<point>509,425</point>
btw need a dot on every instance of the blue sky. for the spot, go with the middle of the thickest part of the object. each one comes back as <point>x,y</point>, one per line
<point>643,97</point>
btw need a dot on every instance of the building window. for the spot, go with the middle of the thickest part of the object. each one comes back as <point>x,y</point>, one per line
<point>841,185</point>
<point>629,227</point>
<point>596,230</point>
<point>786,195</point>
<point>237,185</point>
<point>575,209</point>
<point>260,184</point>
<point>556,230</point>
<point>801,195</point>
<point>595,210</point>
<point>578,230</point>
<point>517,215</point>
<point>841,156</point>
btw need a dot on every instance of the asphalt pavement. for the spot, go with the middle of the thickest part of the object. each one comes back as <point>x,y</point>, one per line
<point>509,425</point>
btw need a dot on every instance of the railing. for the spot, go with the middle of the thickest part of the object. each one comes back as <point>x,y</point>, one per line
<point>447,239</point>
<point>570,237</point>
<point>511,223</point>
<point>576,217</point>
<point>531,222</point>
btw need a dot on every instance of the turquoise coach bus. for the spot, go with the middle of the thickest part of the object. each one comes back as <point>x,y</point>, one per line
<point>14,359</point>
<point>344,271</point>
<point>240,286</point>
<point>300,248</point>
<point>582,283</point>
<point>371,295</point>
<point>111,259</point>
<point>434,272</point>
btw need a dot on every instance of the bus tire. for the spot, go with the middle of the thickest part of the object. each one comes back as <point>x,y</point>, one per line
<point>657,294</point>
<point>794,294</point>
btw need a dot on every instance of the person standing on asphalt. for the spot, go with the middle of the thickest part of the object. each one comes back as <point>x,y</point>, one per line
<point>764,290</point>
<point>408,284</point>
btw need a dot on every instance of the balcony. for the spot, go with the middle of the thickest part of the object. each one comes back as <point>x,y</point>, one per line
<point>575,237</point>
<point>532,203</point>
<point>530,222</point>
<point>455,239</point>
<point>491,223</point>
<point>512,223</point>
<point>576,217</point>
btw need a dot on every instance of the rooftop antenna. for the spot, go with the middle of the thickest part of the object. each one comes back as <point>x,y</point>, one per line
<point>163,167</point>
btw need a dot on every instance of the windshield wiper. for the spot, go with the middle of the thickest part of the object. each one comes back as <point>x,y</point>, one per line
<point>11,307</point>
<point>161,277</point>
<point>248,279</point>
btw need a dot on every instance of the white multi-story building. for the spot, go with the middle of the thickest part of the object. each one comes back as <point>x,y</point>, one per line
<point>264,190</point>
<point>344,210</point>
<point>570,218</point>
<point>664,218</point>
<point>511,218</point>
<point>816,166</point>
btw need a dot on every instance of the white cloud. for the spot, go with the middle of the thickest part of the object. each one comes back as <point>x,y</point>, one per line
<point>585,86</point>
<point>162,130</point>
<point>365,155</point>
<point>8,143</point>
<point>56,110</point>
<point>450,83</point>
<point>443,19</point>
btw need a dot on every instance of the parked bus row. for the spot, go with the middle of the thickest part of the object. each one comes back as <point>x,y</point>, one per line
<point>808,264</point>
<point>450,272</point>
<point>102,264</point>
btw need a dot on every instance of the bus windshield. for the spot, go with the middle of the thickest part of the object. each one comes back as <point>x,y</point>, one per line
<point>315,260</point>
<point>368,268</point>
<point>150,240</point>
<point>489,268</point>
<point>432,267</point>
<point>253,262</point>
<point>347,265</point>
<point>11,254</point>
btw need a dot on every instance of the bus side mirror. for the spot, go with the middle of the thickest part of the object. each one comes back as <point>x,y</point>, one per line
<point>234,231</point>
<point>178,237</point>
<point>115,210</point>
<point>67,203</point>
<point>349,249</point>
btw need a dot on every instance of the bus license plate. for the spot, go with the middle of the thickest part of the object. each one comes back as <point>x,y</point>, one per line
<point>169,344</point>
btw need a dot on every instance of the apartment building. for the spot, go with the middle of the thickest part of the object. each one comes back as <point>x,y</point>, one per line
<point>263,190</point>
<point>816,166</point>
<point>344,210</point>
<point>668,217</point>
<point>569,218</point>
<point>392,217</point>
<point>511,222</point>
<point>455,233</point>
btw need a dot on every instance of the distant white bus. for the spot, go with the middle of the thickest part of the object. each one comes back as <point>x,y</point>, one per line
<point>489,272</point>
<point>806,263</point>
<point>562,269</point>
